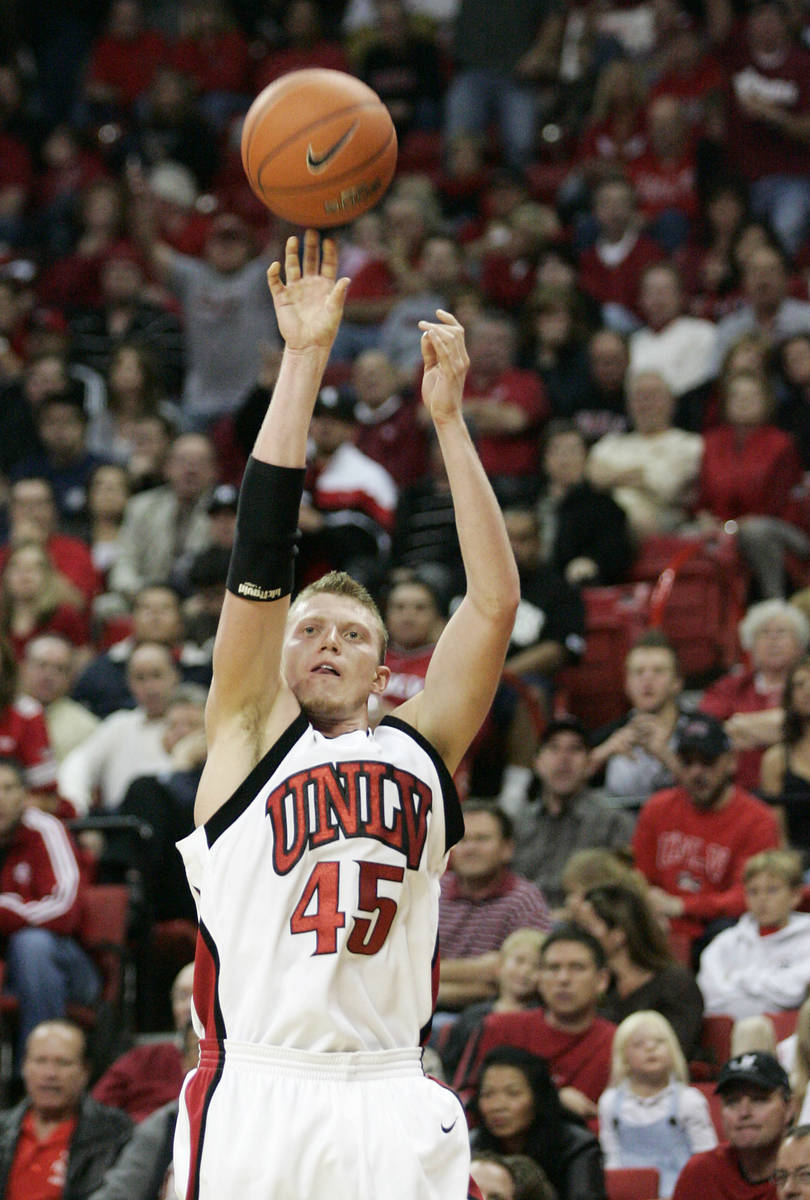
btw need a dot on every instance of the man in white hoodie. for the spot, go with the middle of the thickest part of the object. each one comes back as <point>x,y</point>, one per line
<point>761,964</point>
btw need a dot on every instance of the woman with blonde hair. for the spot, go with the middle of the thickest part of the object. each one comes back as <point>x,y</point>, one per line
<point>648,1115</point>
<point>31,600</point>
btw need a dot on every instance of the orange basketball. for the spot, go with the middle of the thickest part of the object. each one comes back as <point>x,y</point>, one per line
<point>318,147</point>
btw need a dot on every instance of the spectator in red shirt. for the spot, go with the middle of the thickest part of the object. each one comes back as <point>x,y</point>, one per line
<point>757,1110</point>
<point>122,63</point>
<point>151,1073</point>
<point>304,46</point>
<point>32,517</point>
<point>73,282</point>
<point>768,112</point>
<point>40,908</point>
<point>566,1032</point>
<point>505,406</point>
<point>388,427</point>
<point>24,732</point>
<point>691,841</point>
<point>31,604</point>
<point>482,902</point>
<point>690,73</point>
<point>349,505</point>
<point>749,473</point>
<point>610,269</point>
<point>665,176</point>
<point>57,1143</point>
<point>773,635</point>
<point>615,133</point>
<point>214,54</point>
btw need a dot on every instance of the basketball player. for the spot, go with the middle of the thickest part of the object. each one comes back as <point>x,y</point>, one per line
<point>320,842</point>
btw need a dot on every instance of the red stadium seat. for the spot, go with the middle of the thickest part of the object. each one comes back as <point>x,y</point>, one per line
<point>698,598</point>
<point>593,690</point>
<point>715,1107</point>
<point>631,1183</point>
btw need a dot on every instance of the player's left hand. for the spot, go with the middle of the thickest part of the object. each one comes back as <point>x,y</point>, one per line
<point>444,354</point>
<point>309,304</point>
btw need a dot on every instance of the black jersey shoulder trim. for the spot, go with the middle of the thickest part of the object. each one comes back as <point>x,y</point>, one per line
<point>453,819</point>
<point>236,804</point>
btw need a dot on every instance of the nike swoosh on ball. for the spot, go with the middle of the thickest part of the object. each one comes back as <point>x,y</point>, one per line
<point>317,163</point>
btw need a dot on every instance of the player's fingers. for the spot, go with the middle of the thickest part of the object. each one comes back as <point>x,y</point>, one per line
<point>274,279</point>
<point>329,258</point>
<point>292,267</point>
<point>337,295</point>
<point>311,248</point>
<point>426,345</point>
<point>447,318</point>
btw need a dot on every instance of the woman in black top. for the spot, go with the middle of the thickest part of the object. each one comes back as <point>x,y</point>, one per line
<point>643,972</point>
<point>519,1112</point>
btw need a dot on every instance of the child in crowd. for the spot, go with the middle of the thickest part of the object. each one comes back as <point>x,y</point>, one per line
<point>518,977</point>
<point>649,1116</point>
<point>761,964</point>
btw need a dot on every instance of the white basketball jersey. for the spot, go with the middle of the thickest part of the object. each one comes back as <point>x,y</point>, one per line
<point>317,891</point>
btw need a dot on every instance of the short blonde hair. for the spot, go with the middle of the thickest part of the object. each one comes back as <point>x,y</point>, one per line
<point>782,864</point>
<point>631,1025</point>
<point>531,939</point>
<point>340,583</point>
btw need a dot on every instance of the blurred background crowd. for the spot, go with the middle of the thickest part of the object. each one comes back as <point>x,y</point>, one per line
<point>614,198</point>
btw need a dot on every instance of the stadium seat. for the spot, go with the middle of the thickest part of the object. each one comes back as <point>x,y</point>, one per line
<point>715,1107</point>
<point>593,690</point>
<point>700,587</point>
<point>631,1183</point>
<point>715,1040</point>
<point>784,1023</point>
<point>103,932</point>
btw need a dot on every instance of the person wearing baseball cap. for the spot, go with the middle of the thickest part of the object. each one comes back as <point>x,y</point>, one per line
<point>692,841</point>
<point>757,1110</point>
<point>561,813</point>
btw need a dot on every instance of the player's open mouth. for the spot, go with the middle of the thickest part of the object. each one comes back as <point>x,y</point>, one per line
<point>324,669</point>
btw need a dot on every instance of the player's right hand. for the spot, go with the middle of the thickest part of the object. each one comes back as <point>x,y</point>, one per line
<point>309,302</point>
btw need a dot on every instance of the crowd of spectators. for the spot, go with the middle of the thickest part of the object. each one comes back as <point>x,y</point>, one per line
<point>614,199</point>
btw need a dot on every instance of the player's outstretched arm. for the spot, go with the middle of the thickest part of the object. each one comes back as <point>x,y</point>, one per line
<point>467,662</point>
<point>247,682</point>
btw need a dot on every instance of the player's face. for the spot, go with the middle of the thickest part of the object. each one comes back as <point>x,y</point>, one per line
<point>506,1102</point>
<point>331,658</point>
<point>651,680</point>
<point>570,981</point>
<point>753,1117</point>
<point>770,900</point>
<point>494,1181</point>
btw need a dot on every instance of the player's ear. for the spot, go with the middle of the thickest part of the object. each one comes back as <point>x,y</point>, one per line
<point>380,682</point>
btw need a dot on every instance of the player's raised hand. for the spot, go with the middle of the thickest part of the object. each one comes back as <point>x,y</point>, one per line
<point>444,354</point>
<point>309,301</point>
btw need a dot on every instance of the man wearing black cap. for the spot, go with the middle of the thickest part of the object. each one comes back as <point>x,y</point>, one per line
<point>349,504</point>
<point>757,1109</point>
<point>562,814</point>
<point>692,841</point>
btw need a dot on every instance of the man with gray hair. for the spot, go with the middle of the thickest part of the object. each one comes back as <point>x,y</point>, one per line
<point>774,635</point>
